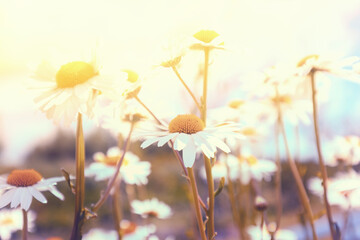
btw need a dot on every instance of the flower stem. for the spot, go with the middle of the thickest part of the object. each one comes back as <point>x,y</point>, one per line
<point>116,209</point>
<point>278,178</point>
<point>186,86</point>
<point>210,212</point>
<point>302,192</point>
<point>204,96</point>
<point>80,181</point>
<point>321,161</point>
<point>115,176</point>
<point>25,225</point>
<point>196,204</point>
<point>147,109</point>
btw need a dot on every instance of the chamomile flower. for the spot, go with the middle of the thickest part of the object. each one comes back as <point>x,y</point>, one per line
<point>69,88</point>
<point>22,185</point>
<point>132,171</point>
<point>343,190</point>
<point>11,220</point>
<point>207,39</point>
<point>151,208</point>
<point>189,135</point>
<point>343,150</point>
<point>246,167</point>
<point>256,233</point>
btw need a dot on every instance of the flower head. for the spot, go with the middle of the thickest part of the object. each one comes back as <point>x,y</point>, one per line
<point>207,39</point>
<point>132,171</point>
<point>151,208</point>
<point>23,185</point>
<point>344,150</point>
<point>282,234</point>
<point>189,134</point>
<point>11,221</point>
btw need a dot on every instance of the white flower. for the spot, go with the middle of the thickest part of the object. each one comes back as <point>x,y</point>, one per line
<point>132,171</point>
<point>188,133</point>
<point>11,220</point>
<point>151,208</point>
<point>343,150</point>
<point>23,185</point>
<point>343,190</point>
<point>255,233</point>
<point>97,233</point>
<point>246,167</point>
<point>70,88</point>
<point>207,39</point>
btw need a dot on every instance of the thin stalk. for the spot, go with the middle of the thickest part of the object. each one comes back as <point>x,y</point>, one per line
<point>278,179</point>
<point>115,176</point>
<point>262,224</point>
<point>186,86</point>
<point>302,192</point>
<point>116,209</point>
<point>210,212</point>
<point>80,180</point>
<point>147,109</point>
<point>346,218</point>
<point>204,96</point>
<point>321,161</point>
<point>196,204</point>
<point>25,226</point>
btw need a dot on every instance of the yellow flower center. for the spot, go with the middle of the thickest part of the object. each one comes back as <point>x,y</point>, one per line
<point>74,73</point>
<point>132,76</point>
<point>251,160</point>
<point>152,214</point>
<point>23,178</point>
<point>127,228</point>
<point>303,61</point>
<point>206,36</point>
<point>283,99</point>
<point>7,221</point>
<point>113,160</point>
<point>249,131</point>
<point>186,123</point>
<point>235,104</point>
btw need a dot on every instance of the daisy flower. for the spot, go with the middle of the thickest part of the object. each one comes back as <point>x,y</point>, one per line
<point>11,220</point>
<point>343,150</point>
<point>70,88</point>
<point>132,171</point>
<point>189,134</point>
<point>246,167</point>
<point>22,185</point>
<point>343,190</point>
<point>151,208</point>
<point>207,39</point>
<point>256,233</point>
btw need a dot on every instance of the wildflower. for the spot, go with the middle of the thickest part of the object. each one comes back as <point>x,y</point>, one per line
<point>132,171</point>
<point>70,88</point>
<point>282,234</point>
<point>151,208</point>
<point>343,150</point>
<point>207,39</point>
<point>343,190</point>
<point>23,185</point>
<point>11,221</point>
<point>188,133</point>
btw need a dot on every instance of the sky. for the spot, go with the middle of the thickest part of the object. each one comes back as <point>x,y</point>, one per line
<point>129,34</point>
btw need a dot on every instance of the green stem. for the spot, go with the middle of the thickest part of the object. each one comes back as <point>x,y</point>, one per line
<point>196,204</point>
<point>204,96</point>
<point>80,181</point>
<point>25,226</point>
<point>302,192</point>
<point>278,178</point>
<point>115,176</point>
<point>116,209</point>
<point>186,86</point>
<point>210,212</point>
<point>321,161</point>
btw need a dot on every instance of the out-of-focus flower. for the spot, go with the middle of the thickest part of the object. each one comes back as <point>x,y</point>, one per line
<point>344,150</point>
<point>207,39</point>
<point>12,221</point>
<point>189,133</point>
<point>172,52</point>
<point>256,233</point>
<point>97,233</point>
<point>246,167</point>
<point>132,171</point>
<point>343,190</point>
<point>70,88</point>
<point>151,208</point>
<point>23,185</point>
<point>342,68</point>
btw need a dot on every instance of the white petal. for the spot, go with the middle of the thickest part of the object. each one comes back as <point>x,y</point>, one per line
<point>6,198</point>
<point>220,144</point>
<point>38,195</point>
<point>165,139</point>
<point>56,193</point>
<point>189,153</point>
<point>16,198</point>
<point>181,141</point>
<point>148,142</point>
<point>26,199</point>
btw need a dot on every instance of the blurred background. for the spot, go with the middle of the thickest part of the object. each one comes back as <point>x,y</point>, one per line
<point>129,34</point>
